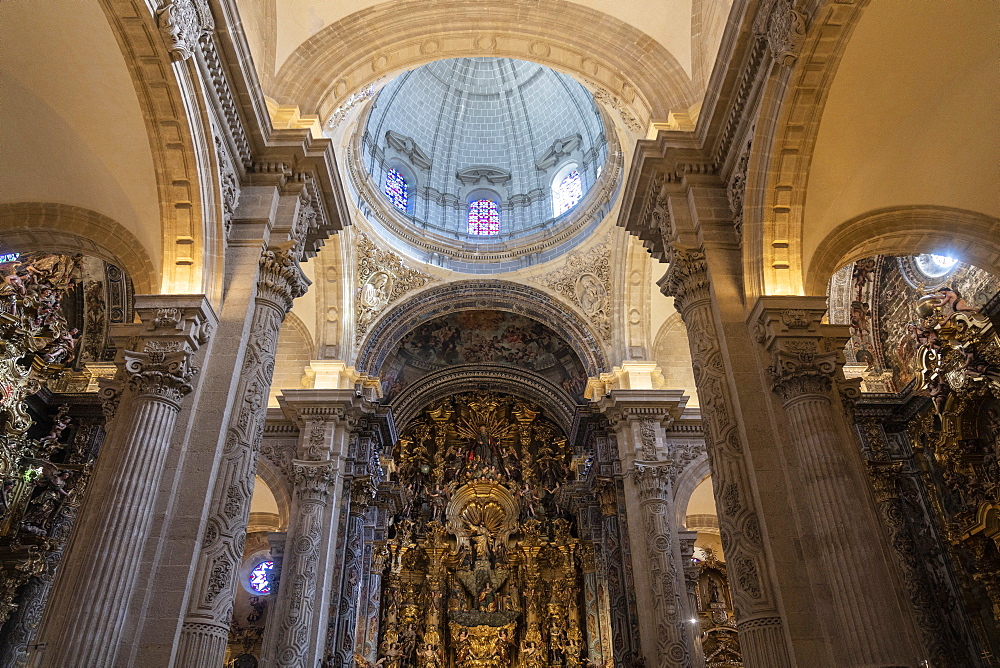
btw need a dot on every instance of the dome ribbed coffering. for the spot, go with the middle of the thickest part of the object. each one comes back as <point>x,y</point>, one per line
<point>466,132</point>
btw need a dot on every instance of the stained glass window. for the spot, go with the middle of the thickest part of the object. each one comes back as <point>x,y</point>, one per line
<point>395,189</point>
<point>566,193</point>
<point>484,217</point>
<point>258,577</point>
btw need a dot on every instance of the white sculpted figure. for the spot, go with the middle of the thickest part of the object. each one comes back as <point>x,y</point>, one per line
<point>373,297</point>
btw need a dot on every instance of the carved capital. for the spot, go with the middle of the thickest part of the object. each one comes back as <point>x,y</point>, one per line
<point>686,279</point>
<point>799,370</point>
<point>280,279</point>
<point>783,28</point>
<point>182,24</point>
<point>314,480</point>
<point>654,482</point>
<point>806,354</point>
<point>158,373</point>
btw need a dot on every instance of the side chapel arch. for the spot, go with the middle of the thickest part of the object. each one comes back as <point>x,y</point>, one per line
<point>63,228</point>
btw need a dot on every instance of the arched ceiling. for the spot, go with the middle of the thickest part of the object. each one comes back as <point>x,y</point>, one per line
<point>911,117</point>
<point>72,130</point>
<point>669,24</point>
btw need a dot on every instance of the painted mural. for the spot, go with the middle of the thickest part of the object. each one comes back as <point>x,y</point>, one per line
<point>478,337</point>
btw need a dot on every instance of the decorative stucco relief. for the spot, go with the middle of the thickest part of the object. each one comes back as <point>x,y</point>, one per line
<point>382,279</point>
<point>585,280</point>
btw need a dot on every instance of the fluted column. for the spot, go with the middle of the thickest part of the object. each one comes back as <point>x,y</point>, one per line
<point>99,576</point>
<point>762,637</point>
<point>206,625</point>
<point>864,601</point>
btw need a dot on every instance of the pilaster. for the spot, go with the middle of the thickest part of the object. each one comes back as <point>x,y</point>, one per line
<point>95,586</point>
<point>297,631</point>
<point>806,362</point>
<point>650,466</point>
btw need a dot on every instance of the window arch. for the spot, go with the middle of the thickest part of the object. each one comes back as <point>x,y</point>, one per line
<point>484,217</point>
<point>396,189</point>
<point>567,189</point>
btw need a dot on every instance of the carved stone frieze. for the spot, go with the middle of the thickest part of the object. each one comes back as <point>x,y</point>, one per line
<point>585,280</point>
<point>382,279</point>
<point>783,28</point>
<point>736,187</point>
<point>229,183</point>
<point>182,24</point>
<point>613,101</point>
<point>280,279</point>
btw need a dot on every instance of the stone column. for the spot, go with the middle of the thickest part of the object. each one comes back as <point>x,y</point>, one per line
<point>93,590</point>
<point>296,634</point>
<point>762,637</point>
<point>205,629</point>
<point>639,417</point>
<point>806,359</point>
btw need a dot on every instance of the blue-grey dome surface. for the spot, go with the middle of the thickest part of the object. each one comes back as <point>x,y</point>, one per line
<point>466,129</point>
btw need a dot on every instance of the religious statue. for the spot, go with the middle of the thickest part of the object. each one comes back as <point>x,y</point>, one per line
<point>590,293</point>
<point>373,297</point>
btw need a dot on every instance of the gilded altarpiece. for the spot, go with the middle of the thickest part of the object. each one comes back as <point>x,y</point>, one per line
<point>485,566</point>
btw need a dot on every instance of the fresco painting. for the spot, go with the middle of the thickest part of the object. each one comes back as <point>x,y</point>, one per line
<point>483,337</point>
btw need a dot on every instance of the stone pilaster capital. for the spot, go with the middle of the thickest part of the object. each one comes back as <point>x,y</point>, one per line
<point>280,279</point>
<point>686,279</point>
<point>806,354</point>
<point>156,354</point>
<point>314,480</point>
<point>654,481</point>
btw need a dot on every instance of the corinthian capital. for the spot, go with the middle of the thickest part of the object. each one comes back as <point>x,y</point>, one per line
<point>157,354</point>
<point>314,480</point>
<point>806,354</point>
<point>280,279</point>
<point>654,482</point>
<point>686,279</point>
<point>165,374</point>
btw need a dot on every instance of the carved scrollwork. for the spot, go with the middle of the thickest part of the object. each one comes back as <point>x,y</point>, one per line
<point>280,280</point>
<point>183,23</point>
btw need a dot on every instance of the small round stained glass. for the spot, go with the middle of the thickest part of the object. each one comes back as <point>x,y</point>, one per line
<point>258,577</point>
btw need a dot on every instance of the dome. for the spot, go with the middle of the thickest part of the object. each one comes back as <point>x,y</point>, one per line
<point>472,162</point>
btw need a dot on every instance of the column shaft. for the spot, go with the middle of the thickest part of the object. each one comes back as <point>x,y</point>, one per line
<point>205,630</point>
<point>93,591</point>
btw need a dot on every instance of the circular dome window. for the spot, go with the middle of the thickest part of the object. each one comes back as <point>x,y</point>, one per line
<point>471,162</point>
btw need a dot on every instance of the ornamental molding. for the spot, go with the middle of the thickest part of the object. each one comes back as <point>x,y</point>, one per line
<point>783,28</point>
<point>280,279</point>
<point>382,280</point>
<point>408,147</point>
<point>182,24</point>
<point>229,183</point>
<point>585,280</point>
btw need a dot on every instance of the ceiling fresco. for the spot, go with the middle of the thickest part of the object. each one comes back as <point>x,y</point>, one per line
<point>485,336</point>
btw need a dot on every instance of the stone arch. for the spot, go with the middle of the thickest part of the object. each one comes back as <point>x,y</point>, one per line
<point>559,406</point>
<point>278,486</point>
<point>781,150</point>
<point>692,476</point>
<point>478,295</point>
<point>389,37</point>
<point>47,226</point>
<point>182,149</point>
<point>907,230</point>
<point>295,351</point>
<point>673,353</point>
